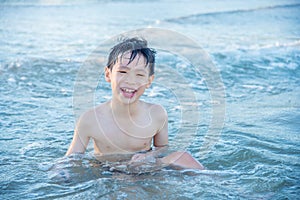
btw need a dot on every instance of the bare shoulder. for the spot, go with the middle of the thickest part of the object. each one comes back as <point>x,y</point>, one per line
<point>93,114</point>
<point>88,123</point>
<point>157,111</point>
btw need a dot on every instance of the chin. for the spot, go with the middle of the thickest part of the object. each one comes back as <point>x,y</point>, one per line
<point>128,101</point>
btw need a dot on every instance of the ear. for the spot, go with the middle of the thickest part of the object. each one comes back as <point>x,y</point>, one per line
<point>150,80</point>
<point>107,74</point>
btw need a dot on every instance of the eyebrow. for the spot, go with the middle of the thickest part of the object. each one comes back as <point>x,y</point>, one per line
<point>125,67</point>
<point>128,68</point>
<point>122,67</point>
<point>141,70</point>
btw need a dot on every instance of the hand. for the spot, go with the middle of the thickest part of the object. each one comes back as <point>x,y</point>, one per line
<point>138,158</point>
<point>145,158</point>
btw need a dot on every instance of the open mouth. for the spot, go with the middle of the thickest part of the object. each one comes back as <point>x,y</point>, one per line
<point>127,92</point>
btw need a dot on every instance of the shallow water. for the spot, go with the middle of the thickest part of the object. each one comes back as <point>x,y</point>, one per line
<point>254,45</point>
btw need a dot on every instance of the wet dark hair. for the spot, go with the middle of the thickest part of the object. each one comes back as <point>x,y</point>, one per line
<point>135,46</point>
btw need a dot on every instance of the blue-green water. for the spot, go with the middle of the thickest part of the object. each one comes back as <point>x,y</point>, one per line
<point>255,45</point>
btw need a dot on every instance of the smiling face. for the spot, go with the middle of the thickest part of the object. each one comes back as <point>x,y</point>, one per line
<point>129,80</point>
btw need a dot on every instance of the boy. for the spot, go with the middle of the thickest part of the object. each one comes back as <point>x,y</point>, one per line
<point>125,124</point>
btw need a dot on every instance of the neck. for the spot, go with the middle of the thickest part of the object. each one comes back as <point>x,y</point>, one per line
<point>125,110</point>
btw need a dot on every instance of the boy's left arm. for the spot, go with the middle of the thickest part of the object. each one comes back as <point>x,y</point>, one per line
<point>160,140</point>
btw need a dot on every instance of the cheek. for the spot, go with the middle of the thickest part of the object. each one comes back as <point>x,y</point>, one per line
<point>118,78</point>
<point>142,80</point>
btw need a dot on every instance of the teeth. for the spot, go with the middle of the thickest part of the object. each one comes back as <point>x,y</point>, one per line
<point>128,90</point>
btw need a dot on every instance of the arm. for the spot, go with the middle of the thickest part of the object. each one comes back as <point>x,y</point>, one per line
<point>161,137</point>
<point>160,140</point>
<point>78,145</point>
<point>80,138</point>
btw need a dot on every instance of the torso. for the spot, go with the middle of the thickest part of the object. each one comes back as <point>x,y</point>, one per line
<point>115,135</point>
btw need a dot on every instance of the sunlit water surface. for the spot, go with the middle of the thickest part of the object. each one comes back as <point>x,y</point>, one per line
<point>255,46</point>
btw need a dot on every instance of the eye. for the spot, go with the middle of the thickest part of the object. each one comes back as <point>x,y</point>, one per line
<point>122,72</point>
<point>140,75</point>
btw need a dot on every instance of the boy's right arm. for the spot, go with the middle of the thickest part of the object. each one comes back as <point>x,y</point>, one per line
<point>80,139</point>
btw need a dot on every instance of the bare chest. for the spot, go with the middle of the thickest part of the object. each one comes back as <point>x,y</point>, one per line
<point>123,136</point>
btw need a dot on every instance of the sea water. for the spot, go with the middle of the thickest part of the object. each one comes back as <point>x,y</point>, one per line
<point>255,47</point>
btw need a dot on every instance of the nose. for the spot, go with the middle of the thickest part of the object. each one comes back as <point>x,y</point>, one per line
<point>130,79</point>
